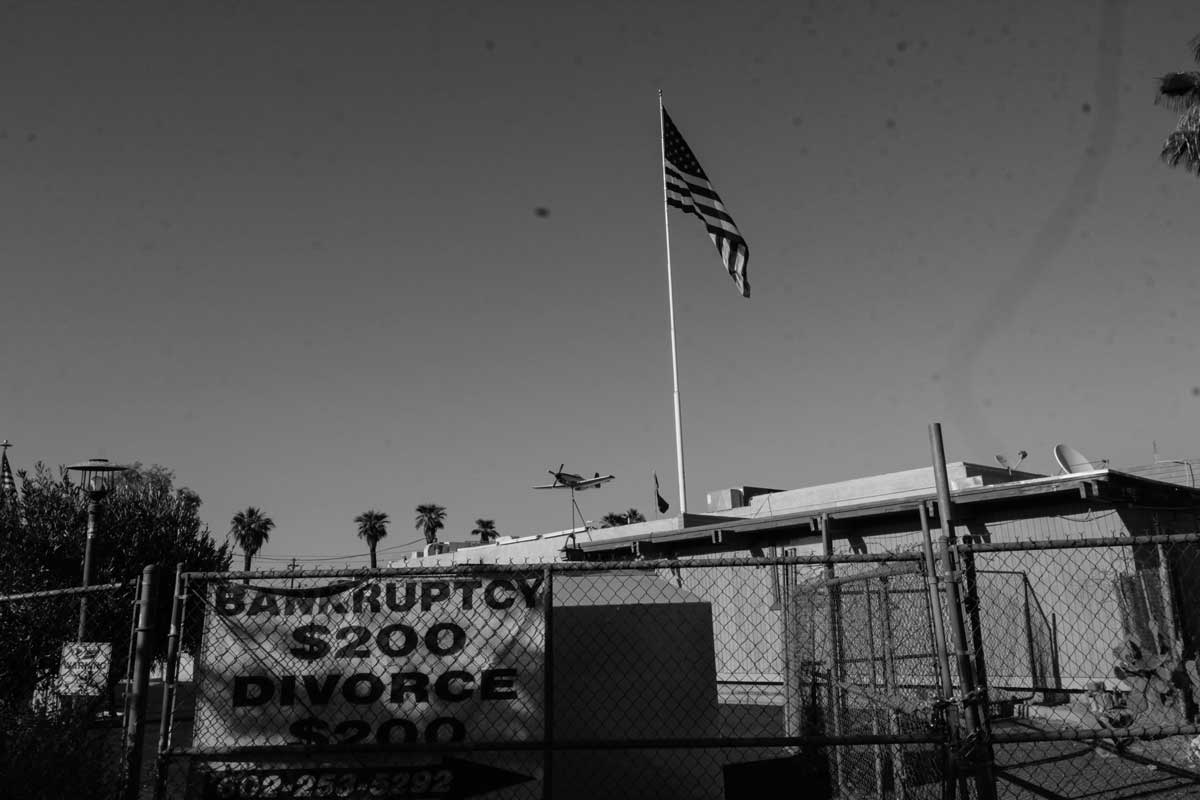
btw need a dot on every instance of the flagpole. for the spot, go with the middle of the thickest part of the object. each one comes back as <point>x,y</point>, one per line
<point>662,140</point>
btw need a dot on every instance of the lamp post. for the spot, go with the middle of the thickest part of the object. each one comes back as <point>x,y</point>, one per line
<point>96,477</point>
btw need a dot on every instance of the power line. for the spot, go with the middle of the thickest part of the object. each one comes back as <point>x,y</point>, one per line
<point>316,559</point>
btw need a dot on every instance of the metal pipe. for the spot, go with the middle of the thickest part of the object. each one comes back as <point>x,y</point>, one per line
<point>945,677</point>
<point>639,565</point>
<point>133,621</point>
<point>871,660</point>
<point>966,674</point>
<point>835,649</point>
<point>548,685</point>
<point>971,607</point>
<point>258,753</point>
<point>935,607</point>
<point>92,512</point>
<point>135,725</point>
<point>166,714</point>
<point>899,783</point>
<point>793,698</point>
<point>1034,674</point>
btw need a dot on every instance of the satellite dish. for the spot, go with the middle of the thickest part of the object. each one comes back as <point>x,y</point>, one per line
<point>1071,460</point>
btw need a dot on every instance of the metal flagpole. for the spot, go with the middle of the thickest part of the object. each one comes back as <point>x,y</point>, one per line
<point>662,138</point>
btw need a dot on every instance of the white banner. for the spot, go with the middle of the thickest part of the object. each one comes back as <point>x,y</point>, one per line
<point>440,659</point>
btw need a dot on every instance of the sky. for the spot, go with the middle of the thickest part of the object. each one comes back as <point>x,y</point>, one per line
<point>325,257</point>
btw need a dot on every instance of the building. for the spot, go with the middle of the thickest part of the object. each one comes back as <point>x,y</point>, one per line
<point>1072,607</point>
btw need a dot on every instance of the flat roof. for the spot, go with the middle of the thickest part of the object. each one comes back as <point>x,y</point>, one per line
<point>1101,484</point>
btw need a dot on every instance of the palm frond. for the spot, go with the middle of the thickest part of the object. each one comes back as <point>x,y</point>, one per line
<point>1189,120</point>
<point>1194,45</point>
<point>1179,90</point>
<point>1182,148</point>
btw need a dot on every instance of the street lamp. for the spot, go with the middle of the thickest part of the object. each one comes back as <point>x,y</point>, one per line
<point>96,478</point>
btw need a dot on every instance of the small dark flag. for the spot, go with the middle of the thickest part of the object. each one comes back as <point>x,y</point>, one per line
<point>663,505</point>
<point>688,189</point>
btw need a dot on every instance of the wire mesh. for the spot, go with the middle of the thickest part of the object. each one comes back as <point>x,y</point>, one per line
<point>637,679</point>
<point>62,700</point>
<point>1090,652</point>
<point>698,678</point>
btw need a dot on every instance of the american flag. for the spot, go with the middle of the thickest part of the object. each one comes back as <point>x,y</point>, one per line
<point>688,189</point>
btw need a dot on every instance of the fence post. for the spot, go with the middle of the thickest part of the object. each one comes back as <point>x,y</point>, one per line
<point>793,703</point>
<point>832,597</point>
<point>548,687</point>
<point>168,698</point>
<point>899,777</point>
<point>943,656</point>
<point>135,724</point>
<point>970,601</point>
<point>133,621</point>
<point>871,661</point>
<point>984,782</point>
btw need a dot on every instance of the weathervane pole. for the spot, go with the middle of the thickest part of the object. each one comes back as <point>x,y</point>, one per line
<point>662,138</point>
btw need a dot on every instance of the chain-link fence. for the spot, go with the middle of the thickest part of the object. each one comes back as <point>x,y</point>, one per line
<point>1034,669</point>
<point>63,690</point>
<point>1089,652</point>
<point>640,679</point>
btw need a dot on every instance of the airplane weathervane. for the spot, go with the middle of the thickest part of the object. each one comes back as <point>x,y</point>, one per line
<point>575,483</point>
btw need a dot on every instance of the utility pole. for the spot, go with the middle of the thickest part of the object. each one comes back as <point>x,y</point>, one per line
<point>292,569</point>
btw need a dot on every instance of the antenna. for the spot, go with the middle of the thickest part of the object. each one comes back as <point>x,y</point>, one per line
<point>1002,460</point>
<point>1072,461</point>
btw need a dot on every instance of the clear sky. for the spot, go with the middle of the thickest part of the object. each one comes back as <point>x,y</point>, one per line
<point>320,257</point>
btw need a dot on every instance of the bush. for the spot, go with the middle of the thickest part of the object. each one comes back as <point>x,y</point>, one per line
<point>52,753</point>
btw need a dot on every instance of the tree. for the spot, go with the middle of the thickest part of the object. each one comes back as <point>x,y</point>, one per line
<point>485,529</point>
<point>614,520</point>
<point>431,518</point>
<point>372,526</point>
<point>1181,91</point>
<point>146,520</point>
<point>251,529</point>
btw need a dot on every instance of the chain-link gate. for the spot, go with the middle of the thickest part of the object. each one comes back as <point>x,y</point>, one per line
<point>867,666</point>
<point>64,692</point>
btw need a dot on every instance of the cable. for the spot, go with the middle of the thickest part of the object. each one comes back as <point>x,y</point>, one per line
<point>319,559</point>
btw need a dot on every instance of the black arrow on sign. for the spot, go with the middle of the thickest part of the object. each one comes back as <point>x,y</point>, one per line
<point>471,778</point>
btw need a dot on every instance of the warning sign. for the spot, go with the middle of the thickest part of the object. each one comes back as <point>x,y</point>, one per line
<point>374,662</point>
<point>84,668</point>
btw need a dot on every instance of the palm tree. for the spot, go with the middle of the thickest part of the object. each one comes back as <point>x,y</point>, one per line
<point>372,526</point>
<point>431,518</point>
<point>485,529</point>
<point>614,520</point>
<point>1181,91</point>
<point>250,529</point>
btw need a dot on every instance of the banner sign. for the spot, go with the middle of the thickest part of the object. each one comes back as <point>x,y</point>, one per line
<point>84,668</point>
<point>439,659</point>
<point>448,780</point>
